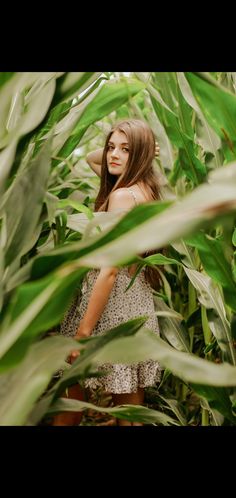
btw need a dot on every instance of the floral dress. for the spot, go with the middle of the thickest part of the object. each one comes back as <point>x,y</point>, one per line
<point>121,307</point>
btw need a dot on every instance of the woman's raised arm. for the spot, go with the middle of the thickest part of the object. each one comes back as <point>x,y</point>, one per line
<point>94,160</point>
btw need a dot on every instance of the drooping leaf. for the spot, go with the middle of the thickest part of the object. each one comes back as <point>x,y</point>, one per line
<point>215,264</point>
<point>21,387</point>
<point>218,105</point>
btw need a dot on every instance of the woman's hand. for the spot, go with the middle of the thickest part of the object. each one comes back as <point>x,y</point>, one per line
<point>74,354</point>
<point>80,334</point>
<point>157,149</point>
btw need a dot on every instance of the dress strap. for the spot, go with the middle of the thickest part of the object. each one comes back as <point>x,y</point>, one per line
<point>133,195</point>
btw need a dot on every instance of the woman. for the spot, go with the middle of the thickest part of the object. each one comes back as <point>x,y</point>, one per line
<point>127,179</point>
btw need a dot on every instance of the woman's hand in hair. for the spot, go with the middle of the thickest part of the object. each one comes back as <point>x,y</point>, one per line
<point>94,160</point>
<point>157,149</point>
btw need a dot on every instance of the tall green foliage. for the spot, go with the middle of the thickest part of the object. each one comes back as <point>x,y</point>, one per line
<point>49,236</point>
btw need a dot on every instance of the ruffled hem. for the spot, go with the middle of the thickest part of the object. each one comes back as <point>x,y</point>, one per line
<point>122,378</point>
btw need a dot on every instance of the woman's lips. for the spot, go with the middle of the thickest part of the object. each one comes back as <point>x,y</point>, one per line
<point>114,164</point>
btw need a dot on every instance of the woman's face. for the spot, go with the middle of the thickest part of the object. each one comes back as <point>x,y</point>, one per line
<point>117,153</point>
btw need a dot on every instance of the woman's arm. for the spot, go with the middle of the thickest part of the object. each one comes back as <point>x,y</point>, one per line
<point>97,302</point>
<point>94,159</point>
<point>119,199</point>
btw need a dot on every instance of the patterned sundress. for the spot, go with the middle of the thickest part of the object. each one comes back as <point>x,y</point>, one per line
<point>121,307</point>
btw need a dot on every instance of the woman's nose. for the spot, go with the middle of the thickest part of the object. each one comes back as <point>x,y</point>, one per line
<point>115,152</point>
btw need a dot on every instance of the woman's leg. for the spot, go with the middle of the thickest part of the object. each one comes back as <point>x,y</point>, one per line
<point>129,399</point>
<point>70,418</point>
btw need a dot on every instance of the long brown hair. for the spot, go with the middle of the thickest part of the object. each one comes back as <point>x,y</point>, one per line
<point>139,168</point>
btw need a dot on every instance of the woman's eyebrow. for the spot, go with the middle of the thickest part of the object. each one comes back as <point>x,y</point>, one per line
<point>123,143</point>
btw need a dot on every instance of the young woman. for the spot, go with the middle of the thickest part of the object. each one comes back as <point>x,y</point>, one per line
<point>127,179</point>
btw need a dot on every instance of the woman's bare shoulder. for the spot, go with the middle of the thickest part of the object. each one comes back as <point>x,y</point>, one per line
<point>142,192</point>
<point>120,192</point>
<point>120,199</point>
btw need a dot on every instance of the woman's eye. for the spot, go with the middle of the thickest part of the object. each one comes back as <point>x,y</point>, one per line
<point>112,147</point>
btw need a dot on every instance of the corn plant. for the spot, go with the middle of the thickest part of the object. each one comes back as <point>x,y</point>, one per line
<point>50,238</point>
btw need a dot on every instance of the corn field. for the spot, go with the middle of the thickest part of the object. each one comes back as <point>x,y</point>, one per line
<point>50,237</point>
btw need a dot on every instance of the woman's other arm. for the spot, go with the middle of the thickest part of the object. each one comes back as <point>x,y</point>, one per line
<point>97,302</point>
<point>100,294</point>
<point>120,198</point>
<point>94,160</point>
